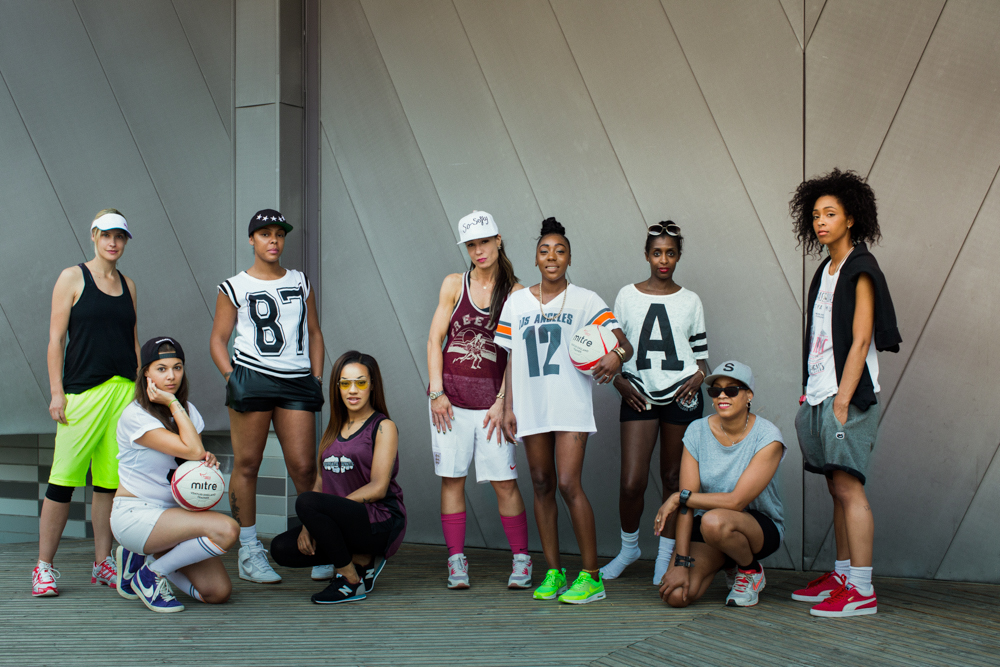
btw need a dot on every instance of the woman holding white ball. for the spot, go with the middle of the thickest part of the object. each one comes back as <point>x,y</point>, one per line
<point>157,432</point>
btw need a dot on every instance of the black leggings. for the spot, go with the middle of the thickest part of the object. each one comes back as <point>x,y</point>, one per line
<point>340,528</point>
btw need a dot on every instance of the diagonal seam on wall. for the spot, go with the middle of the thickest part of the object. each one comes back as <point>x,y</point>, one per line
<point>808,38</point>
<point>200,71</point>
<point>143,159</point>
<point>792,27</point>
<point>41,390</point>
<point>729,153</point>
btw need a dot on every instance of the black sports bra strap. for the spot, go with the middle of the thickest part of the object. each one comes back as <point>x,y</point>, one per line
<point>88,278</point>
<point>121,277</point>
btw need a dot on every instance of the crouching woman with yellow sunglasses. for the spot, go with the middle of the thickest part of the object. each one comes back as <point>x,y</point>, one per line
<point>354,515</point>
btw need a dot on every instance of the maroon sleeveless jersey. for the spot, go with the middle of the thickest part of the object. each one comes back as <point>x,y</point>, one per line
<point>473,365</point>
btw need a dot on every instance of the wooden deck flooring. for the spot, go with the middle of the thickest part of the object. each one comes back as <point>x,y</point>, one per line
<point>412,619</point>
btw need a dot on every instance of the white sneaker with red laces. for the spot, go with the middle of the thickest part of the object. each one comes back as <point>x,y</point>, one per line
<point>746,589</point>
<point>846,601</point>
<point>43,580</point>
<point>105,573</point>
<point>458,571</point>
<point>520,576</point>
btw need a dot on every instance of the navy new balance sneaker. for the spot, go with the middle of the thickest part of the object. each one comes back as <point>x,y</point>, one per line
<point>340,590</point>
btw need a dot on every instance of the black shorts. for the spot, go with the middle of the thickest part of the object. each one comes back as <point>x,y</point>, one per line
<point>251,391</point>
<point>772,538</point>
<point>671,413</point>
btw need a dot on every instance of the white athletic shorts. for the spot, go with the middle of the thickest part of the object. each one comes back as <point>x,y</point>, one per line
<point>132,520</point>
<point>455,449</point>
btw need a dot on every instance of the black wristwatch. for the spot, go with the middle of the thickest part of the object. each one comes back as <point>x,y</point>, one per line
<point>685,494</point>
<point>683,561</point>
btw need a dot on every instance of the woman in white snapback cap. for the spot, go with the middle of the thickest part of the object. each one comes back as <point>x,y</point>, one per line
<point>727,482</point>
<point>466,392</point>
<point>92,379</point>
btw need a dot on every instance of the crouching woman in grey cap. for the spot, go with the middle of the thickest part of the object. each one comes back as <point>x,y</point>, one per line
<point>730,514</point>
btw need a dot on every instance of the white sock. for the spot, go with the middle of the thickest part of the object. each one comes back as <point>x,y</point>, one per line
<point>861,578</point>
<point>842,567</point>
<point>663,555</point>
<point>248,535</point>
<point>184,584</point>
<point>186,553</point>
<point>629,554</point>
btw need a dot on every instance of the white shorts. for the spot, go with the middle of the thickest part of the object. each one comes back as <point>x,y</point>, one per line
<point>132,520</point>
<point>455,449</point>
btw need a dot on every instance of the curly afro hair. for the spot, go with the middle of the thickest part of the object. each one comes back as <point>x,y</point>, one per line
<point>853,193</point>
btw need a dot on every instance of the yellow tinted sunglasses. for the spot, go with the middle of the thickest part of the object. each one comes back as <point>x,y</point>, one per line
<point>360,383</point>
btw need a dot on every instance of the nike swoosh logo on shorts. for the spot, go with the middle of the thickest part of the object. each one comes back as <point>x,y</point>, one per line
<point>512,467</point>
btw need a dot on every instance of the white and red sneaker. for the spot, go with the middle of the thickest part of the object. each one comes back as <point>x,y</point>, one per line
<point>458,571</point>
<point>43,580</point>
<point>746,589</point>
<point>820,588</point>
<point>520,576</point>
<point>105,573</point>
<point>846,601</point>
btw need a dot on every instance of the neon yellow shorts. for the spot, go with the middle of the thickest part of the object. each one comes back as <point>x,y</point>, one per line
<point>88,440</point>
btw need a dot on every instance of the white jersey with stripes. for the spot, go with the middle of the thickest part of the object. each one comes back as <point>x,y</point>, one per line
<point>549,393</point>
<point>272,332</point>
<point>667,333</point>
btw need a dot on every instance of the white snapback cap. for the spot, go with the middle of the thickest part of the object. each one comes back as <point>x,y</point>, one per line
<point>476,225</point>
<point>111,221</point>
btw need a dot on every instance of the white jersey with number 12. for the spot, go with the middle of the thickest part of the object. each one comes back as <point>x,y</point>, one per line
<point>549,393</point>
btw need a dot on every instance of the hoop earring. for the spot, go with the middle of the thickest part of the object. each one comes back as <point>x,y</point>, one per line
<point>499,246</point>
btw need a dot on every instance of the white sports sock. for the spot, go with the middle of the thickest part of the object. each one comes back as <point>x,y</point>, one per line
<point>184,584</point>
<point>861,578</point>
<point>629,554</point>
<point>248,535</point>
<point>186,553</point>
<point>663,554</point>
<point>842,567</point>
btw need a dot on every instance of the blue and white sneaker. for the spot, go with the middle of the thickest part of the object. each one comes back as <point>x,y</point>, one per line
<point>340,590</point>
<point>155,592</point>
<point>371,574</point>
<point>128,563</point>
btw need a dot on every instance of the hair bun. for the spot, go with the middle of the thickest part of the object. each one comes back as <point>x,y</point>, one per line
<point>552,226</point>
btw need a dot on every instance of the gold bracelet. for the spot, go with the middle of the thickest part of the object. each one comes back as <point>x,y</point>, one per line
<point>620,352</point>
<point>501,395</point>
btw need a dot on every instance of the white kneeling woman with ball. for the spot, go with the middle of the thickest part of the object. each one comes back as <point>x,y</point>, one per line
<point>157,433</point>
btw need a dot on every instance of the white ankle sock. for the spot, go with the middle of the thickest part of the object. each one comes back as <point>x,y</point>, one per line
<point>184,584</point>
<point>629,554</point>
<point>663,554</point>
<point>861,578</point>
<point>842,567</point>
<point>248,535</point>
<point>186,553</point>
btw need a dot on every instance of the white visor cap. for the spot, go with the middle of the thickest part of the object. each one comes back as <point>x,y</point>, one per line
<point>110,221</point>
<point>476,225</point>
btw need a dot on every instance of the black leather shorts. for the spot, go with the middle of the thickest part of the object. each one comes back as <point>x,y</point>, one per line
<point>251,391</point>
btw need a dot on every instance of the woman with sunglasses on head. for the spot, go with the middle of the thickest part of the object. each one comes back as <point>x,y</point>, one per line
<point>274,376</point>
<point>354,514</point>
<point>660,387</point>
<point>850,319</point>
<point>466,397</point>
<point>91,379</point>
<point>158,431</point>
<point>728,510</point>
<point>549,404</point>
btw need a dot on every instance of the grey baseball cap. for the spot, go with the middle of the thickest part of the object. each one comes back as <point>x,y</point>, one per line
<point>734,370</point>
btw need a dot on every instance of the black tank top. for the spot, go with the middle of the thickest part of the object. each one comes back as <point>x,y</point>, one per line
<point>101,337</point>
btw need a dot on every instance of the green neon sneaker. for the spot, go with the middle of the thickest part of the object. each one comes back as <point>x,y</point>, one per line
<point>554,584</point>
<point>585,589</point>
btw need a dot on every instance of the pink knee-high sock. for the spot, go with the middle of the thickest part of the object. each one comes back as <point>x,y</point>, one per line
<point>453,526</point>
<point>516,528</point>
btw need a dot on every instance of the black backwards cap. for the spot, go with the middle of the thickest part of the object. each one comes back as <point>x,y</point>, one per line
<point>265,217</point>
<point>151,350</point>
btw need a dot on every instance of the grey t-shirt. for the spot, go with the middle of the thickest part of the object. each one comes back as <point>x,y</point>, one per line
<point>720,466</point>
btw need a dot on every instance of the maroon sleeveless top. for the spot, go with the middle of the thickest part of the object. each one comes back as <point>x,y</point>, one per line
<point>347,466</point>
<point>473,365</point>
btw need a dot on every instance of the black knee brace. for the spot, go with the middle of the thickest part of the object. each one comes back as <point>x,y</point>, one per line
<point>101,489</point>
<point>59,493</point>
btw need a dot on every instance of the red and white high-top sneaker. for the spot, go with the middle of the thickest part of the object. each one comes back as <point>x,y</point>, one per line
<point>105,572</point>
<point>820,588</point>
<point>846,601</point>
<point>43,580</point>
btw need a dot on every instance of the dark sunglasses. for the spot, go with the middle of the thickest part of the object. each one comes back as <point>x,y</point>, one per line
<point>668,228</point>
<point>731,391</point>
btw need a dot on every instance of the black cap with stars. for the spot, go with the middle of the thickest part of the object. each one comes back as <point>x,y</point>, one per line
<point>265,217</point>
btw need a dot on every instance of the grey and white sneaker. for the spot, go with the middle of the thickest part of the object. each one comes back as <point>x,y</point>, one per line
<point>730,573</point>
<point>322,572</point>
<point>254,566</point>
<point>747,589</point>
<point>520,576</point>
<point>458,571</point>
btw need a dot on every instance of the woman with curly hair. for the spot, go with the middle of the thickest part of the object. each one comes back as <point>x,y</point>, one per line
<point>850,317</point>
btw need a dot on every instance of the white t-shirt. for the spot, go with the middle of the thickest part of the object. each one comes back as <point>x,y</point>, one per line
<point>145,472</point>
<point>549,393</point>
<point>822,382</point>
<point>272,335</point>
<point>667,333</point>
